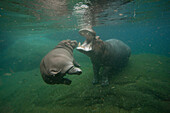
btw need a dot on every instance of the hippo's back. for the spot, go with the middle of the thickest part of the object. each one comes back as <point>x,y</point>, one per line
<point>119,52</point>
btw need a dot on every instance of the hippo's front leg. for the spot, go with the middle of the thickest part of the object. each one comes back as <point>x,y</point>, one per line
<point>96,74</point>
<point>75,63</point>
<point>74,70</point>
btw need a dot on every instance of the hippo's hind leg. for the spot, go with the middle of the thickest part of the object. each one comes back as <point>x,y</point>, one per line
<point>61,80</point>
<point>74,70</point>
<point>105,81</point>
<point>66,81</point>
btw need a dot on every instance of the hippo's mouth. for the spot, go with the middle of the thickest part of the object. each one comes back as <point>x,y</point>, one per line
<point>86,46</point>
<point>89,34</point>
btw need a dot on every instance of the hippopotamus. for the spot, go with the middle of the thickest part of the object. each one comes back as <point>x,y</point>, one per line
<point>111,54</point>
<point>59,62</point>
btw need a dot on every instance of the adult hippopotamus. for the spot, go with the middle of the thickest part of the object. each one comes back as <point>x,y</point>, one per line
<point>59,62</point>
<point>109,54</point>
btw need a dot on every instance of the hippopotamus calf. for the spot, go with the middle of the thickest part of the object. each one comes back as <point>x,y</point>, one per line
<point>59,62</point>
<point>109,54</point>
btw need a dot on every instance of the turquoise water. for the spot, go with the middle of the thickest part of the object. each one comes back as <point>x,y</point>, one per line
<point>30,29</point>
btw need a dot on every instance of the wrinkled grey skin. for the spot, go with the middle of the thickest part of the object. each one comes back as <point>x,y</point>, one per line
<point>110,54</point>
<point>59,62</point>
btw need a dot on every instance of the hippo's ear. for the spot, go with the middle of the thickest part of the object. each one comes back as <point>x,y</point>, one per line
<point>97,37</point>
<point>67,43</point>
